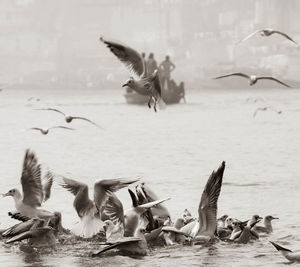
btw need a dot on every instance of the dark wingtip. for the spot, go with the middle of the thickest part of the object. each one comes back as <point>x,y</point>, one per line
<point>280,247</point>
<point>133,198</point>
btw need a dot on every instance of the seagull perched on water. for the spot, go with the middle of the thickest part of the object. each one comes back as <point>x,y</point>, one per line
<point>287,253</point>
<point>90,211</point>
<point>268,32</point>
<point>204,229</point>
<point>267,228</point>
<point>266,108</point>
<point>45,131</point>
<point>252,78</point>
<point>35,190</point>
<point>69,118</point>
<point>147,83</point>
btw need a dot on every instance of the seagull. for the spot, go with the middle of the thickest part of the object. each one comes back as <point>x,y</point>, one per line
<point>267,228</point>
<point>222,220</point>
<point>204,228</point>
<point>268,32</point>
<point>252,78</point>
<point>136,245</point>
<point>266,108</point>
<point>246,233</point>
<point>288,254</point>
<point>37,231</point>
<point>69,118</point>
<point>146,84</point>
<point>45,131</point>
<point>171,235</point>
<point>35,190</point>
<point>90,211</point>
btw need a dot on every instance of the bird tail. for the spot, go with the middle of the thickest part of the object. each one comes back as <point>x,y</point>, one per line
<point>88,227</point>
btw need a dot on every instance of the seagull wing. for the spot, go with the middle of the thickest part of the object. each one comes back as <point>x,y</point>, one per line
<point>208,205</point>
<point>134,199</point>
<point>122,242</point>
<point>85,119</point>
<point>274,79</point>
<point>82,203</point>
<point>31,180</point>
<point>286,36</point>
<point>35,128</point>
<point>19,228</point>
<point>233,74</point>
<point>52,109</point>
<point>18,216</point>
<point>62,127</point>
<point>248,36</point>
<point>130,57</point>
<point>113,209</point>
<point>174,230</point>
<point>101,188</point>
<point>47,184</point>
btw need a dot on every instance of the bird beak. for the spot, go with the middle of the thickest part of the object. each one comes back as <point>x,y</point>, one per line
<point>125,84</point>
<point>275,218</point>
<point>260,218</point>
<point>6,195</point>
<point>104,228</point>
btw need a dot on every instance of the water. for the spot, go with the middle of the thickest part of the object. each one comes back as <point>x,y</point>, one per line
<point>174,151</point>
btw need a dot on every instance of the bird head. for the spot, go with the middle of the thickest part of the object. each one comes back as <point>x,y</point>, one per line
<point>129,83</point>
<point>223,218</point>
<point>12,192</point>
<point>108,225</point>
<point>270,218</point>
<point>256,217</point>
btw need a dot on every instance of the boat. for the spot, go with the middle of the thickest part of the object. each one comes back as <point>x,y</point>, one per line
<point>173,95</point>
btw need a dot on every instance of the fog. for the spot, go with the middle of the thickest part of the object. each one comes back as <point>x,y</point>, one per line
<point>55,43</point>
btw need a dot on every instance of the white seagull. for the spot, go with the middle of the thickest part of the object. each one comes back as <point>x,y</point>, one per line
<point>267,32</point>
<point>45,131</point>
<point>204,229</point>
<point>266,108</point>
<point>146,84</point>
<point>90,211</point>
<point>35,191</point>
<point>252,78</point>
<point>267,228</point>
<point>69,118</point>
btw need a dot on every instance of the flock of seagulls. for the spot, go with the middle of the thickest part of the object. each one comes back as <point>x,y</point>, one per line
<point>253,78</point>
<point>68,119</point>
<point>146,224</point>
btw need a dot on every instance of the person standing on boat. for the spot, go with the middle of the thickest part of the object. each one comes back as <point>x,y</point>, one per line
<point>166,67</point>
<point>151,64</point>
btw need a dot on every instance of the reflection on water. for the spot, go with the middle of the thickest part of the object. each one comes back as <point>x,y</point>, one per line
<point>174,151</point>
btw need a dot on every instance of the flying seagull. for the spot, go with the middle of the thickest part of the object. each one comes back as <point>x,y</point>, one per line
<point>45,131</point>
<point>147,83</point>
<point>268,32</point>
<point>35,190</point>
<point>69,118</point>
<point>90,211</point>
<point>264,109</point>
<point>252,78</point>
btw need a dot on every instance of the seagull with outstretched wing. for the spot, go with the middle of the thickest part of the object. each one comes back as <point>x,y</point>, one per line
<point>268,32</point>
<point>252,78</point>
<point>89,211</point>
<point>35,189</point>
<point>204,229</point>
<point>146,83</point>
<point>45,131</point>
<point>69,118</point>
<point>265,109</point>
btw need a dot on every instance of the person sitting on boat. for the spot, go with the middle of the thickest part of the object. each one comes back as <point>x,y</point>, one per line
<point>151,64</point>
<point>166,67</point>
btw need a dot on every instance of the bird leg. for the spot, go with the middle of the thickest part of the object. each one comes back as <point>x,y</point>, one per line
<point>149,102</point>
<point>155,102</point>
